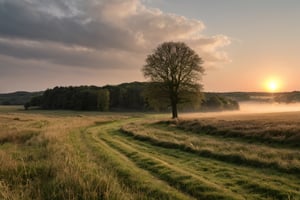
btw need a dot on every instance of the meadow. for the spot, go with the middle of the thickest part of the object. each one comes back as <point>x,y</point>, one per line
<point>92,155</point>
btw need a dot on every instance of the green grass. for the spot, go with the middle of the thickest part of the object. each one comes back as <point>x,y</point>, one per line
<point>285,160</point>
<point>90,155</point>
<point>254,183</point>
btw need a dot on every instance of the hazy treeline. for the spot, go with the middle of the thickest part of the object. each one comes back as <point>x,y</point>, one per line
<point>20,98</point>
<point>127,96</point>
<point>280,97</point>
<point>291,97</point>
<point>217,102</point>
<point>17,98</point>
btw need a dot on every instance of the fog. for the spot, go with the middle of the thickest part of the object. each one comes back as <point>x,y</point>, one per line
<point>254,107</point>
<point>248,109</point>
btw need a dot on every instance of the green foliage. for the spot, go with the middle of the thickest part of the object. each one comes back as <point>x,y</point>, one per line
<point>103,100</point>
<point>128,96</point>
<point>36,100</point>
<point>155,89</point>
<point>214,102</point>
<point>174,70</point>
<point>73,98</point>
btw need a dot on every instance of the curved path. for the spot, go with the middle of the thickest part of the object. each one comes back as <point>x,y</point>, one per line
<point>145,170</point>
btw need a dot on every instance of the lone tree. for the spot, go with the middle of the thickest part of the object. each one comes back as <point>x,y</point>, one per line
<point>174,70</point>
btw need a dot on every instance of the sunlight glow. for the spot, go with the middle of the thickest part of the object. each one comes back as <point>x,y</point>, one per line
<point>272,85</point>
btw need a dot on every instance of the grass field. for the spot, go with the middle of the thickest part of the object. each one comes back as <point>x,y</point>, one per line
<point>89,155</point>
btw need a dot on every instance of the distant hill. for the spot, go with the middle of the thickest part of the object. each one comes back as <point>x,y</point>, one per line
<point>128,96</point>
<point>281,97</point>
<point>17,98</point>
<point>290,97</point>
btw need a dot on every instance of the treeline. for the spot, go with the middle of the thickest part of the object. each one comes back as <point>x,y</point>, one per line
<point>17,98</point>
<point>216,102</point>
<point>72,98</point>
<point>264,97</point>
<point>291,97</point>
<point>123,97</point>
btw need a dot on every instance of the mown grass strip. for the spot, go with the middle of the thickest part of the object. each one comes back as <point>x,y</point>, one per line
<point>245,181</point>
<point>139,181</point>
<point>231,158</point>
<point>93,176</point>
<point>178,178</point>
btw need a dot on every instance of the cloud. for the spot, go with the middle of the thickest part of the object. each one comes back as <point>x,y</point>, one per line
<point>73,56</point>
<point>97,34</point>
<point>29,21</point>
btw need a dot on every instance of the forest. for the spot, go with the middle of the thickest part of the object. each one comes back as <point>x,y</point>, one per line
<point>123,97</point>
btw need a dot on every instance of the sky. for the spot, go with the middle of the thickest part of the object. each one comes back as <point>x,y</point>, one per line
<point>245,45</point>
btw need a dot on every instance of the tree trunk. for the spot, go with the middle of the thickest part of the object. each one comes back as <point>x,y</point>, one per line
<point>174,110</point>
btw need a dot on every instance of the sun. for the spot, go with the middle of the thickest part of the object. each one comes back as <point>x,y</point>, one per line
<point>272,85</point>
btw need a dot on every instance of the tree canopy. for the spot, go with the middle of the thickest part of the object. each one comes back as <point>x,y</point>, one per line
<point>175,71</point>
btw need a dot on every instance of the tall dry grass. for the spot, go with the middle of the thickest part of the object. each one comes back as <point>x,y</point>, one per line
<point>279,128</point>
<point>38,161</point>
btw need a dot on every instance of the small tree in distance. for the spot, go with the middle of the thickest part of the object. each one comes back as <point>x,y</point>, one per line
<point>174,70</point>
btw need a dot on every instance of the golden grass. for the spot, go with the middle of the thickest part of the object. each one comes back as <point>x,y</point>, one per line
<point>83,155</point>
<point>279,128</point>
<point>37,159</point>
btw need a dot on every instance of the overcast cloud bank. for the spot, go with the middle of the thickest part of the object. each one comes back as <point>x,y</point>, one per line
<point>93,35</point>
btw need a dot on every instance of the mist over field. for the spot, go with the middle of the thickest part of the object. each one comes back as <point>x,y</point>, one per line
<point>254,107</point>
<point>249,108</point>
